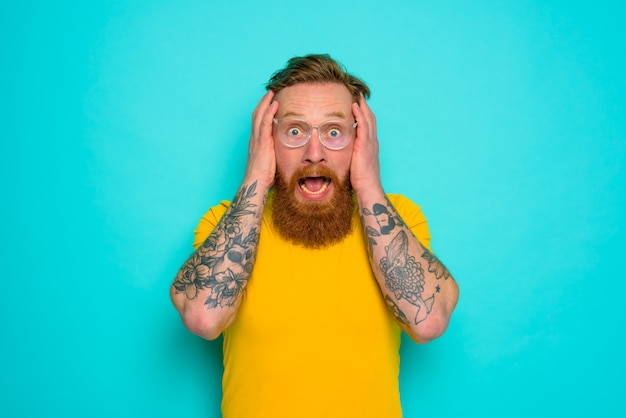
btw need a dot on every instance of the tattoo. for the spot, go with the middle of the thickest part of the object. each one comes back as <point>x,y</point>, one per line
<point>396,311</point>
<point>435,266</point>
<point>404,276</point>
<point>224,262</point>
<point>370,232</point>
<point>386,218</point>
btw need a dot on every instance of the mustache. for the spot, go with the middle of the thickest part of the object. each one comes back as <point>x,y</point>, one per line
<point>320,171</point>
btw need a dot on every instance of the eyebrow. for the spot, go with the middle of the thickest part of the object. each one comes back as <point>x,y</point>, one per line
<point>330,114</point>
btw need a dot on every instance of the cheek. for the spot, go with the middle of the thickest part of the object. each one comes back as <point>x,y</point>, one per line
<point>286,162</point>
<point>342,162</point>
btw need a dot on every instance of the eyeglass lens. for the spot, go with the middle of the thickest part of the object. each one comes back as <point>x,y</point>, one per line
<point>333,135</point>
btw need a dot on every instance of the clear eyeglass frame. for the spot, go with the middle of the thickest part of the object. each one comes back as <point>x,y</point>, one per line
<point>320,133</point>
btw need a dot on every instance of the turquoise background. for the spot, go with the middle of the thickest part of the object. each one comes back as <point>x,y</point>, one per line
<point>121,122</point>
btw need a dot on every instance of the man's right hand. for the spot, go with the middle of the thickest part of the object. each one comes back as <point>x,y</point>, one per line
<point>261,165</point>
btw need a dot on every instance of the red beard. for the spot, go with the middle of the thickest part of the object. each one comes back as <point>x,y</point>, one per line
<point>313,224</point>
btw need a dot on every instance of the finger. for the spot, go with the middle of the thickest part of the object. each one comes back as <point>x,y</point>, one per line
<point>257,115</point>
<point>367,113</point>
<point>267,122</point>
<point>267,98</point>
<point>362,124</point>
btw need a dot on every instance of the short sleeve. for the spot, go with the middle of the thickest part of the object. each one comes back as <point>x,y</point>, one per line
<point>208,222</point>
<point>412,217</point>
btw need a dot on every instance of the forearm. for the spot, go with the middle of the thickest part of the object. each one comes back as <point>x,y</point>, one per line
<point>418,289</point>
<point>208,288</point>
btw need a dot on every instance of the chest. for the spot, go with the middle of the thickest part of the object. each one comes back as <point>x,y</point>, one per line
<point>331,290</point>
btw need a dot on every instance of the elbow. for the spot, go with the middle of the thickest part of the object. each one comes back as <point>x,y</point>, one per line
<point>437,322</point>
<point>201,325</point>
<point>429,330</point>
<point>196,318</point>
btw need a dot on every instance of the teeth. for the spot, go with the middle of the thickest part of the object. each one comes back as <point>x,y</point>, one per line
<point>320,191</point>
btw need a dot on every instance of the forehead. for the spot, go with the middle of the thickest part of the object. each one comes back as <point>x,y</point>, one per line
<point>315,100</point>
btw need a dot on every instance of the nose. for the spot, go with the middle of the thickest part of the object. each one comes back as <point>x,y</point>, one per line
<point>314,152</point>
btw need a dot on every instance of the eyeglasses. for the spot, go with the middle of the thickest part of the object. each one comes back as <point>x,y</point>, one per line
<point>295,133</point>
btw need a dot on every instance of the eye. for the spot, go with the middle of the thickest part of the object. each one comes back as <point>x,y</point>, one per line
<point>295,129</point>
<point>334,133</point>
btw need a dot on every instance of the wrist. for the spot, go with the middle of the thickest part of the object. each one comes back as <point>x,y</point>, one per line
<point>264,180</point>
<point>261,186</point>
<point>368,195</point>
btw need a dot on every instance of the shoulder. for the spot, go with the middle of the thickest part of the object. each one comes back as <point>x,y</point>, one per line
<point>412,216</point>
<point>405,206</point>
<point>209,221</point>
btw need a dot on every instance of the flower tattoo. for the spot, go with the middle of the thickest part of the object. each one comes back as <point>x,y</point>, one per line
<point>404,276</point>
<point>224,261</point>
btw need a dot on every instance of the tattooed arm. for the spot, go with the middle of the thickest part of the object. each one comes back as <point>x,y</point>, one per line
<point>208,288</point>
<point>418,289</point>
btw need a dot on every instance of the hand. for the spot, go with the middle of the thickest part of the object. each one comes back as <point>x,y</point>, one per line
<point>261,165</point>
<point>365,165</point>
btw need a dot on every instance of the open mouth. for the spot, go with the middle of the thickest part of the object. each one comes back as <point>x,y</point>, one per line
<point>314,185</point>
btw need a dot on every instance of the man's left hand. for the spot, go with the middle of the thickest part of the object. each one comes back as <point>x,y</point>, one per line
<point>365,165</point>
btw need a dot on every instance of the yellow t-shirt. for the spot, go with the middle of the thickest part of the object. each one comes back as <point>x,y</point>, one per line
<point>312,337</point>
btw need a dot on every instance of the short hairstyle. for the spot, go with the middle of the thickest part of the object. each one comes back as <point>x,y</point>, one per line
<point>317,68</point>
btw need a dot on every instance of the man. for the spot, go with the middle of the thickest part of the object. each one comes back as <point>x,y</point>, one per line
<point>312,271</point>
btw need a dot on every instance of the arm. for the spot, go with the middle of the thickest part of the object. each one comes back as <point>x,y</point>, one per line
<point>418,289</point>
<point>208,288</point>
